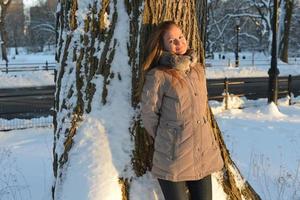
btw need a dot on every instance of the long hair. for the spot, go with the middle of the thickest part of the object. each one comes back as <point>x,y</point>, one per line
<point>155,46</point>
<point>153,50</point>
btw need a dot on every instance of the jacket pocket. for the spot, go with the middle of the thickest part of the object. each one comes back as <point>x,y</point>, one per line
<point>173,147</point>
<point>166,140</point>
<point>174,131</point>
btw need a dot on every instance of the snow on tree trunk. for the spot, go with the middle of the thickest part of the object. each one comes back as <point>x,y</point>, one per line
<point>92,144</point>
<point>100,150</point>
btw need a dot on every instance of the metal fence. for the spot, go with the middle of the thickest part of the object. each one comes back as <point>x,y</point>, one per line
<point>251,88</point>
<point>229,62</point>
<point>13,124</point>
<point>21,67</point>
<point>35,104</point>
<point>26,107</point>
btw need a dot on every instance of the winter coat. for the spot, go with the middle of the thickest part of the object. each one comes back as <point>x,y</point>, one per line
<point>176,116</point>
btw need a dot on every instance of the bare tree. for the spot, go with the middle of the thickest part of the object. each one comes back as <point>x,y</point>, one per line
<point>285,26</point>
<point>42,28</point>
<point>223,19</point>
<point>294,42</point>
<point>15,22</point>
<point>3,35</point>
<point>101,44</point>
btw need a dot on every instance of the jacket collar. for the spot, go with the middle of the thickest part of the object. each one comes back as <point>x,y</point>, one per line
<point>179,62</point>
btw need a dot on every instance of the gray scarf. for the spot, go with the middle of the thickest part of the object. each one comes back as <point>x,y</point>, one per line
<point>179,62</point>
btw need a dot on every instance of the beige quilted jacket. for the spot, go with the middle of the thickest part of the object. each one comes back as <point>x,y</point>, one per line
<point>175,115</point>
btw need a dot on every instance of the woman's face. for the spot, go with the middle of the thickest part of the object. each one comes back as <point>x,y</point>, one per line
<point>174,41</point>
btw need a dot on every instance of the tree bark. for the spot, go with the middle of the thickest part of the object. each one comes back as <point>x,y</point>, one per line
<point>3,34</point>
<point>87,51</point>
<point>284,42</point>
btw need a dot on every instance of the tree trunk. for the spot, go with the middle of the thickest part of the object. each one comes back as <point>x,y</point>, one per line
<point>99,45</point>
<point>284,40</point>
<point>3,34</point>
<point>15,41</point>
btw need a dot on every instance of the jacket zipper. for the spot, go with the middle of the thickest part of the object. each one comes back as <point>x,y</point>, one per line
<point>191,87</point>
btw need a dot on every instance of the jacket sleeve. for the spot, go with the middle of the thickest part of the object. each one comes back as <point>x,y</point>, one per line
<point>151,100</point>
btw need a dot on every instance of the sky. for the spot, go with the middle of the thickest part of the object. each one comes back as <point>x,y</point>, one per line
<point>30,3</point>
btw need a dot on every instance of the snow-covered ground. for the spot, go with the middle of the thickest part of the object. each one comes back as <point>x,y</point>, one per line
<point>27,78</point>
<point>219,68</point>
<point>25,56</point>
<point>251,65</point>
<point>263,141</point>
<point>26,164</point>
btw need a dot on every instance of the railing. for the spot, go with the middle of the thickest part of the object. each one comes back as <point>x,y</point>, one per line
<point>27,103</point>
<point>20,67</point>
<point>26,107</point>
<point>6,125</point>
<point>251,88</point>
<point>229,62</point>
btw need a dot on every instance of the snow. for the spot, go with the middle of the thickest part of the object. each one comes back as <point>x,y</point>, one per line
<point>263,140</point>
<point>27,78</point>
<point>106,20</point>
<point>26,56</point>
<point>218,192</point>
<point>220,68</point>
<point>254,64</point>
<point>92,159</point>
<point>145,187</point>
<point>102,145</point>
<point>26,164</point>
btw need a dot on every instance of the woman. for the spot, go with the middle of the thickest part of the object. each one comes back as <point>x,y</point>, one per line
<point>175,113</point>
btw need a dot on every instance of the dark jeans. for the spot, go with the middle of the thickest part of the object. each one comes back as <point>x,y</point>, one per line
<point>197,190</point>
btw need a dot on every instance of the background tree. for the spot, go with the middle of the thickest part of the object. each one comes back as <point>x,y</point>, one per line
<point>15,23</point>
<point>100,51</point>
<point>255,22</point>
<point>42,28</point>
<point>294,43</point>
<point>3,35</point>
<point>285,26</point>
<point>264,8</point>
<point>223,18</point>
